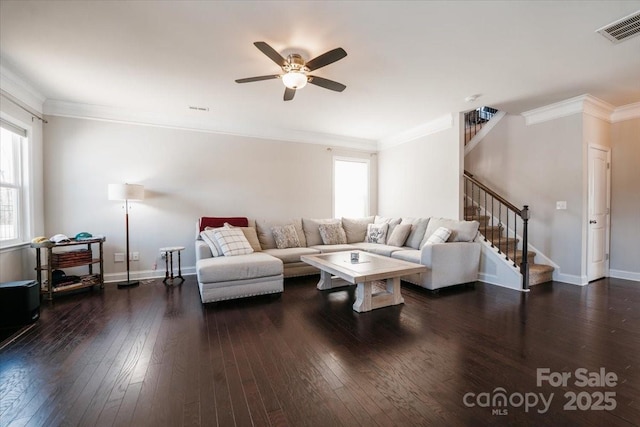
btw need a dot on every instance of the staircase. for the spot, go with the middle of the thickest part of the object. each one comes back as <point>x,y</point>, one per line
<point>475,121</point>
<point>502,225</point>
<point>494,234</point>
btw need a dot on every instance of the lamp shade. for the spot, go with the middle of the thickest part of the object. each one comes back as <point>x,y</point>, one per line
<point>126,192</point>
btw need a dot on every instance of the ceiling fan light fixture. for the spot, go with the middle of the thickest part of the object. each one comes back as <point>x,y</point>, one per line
<point>294,79</point>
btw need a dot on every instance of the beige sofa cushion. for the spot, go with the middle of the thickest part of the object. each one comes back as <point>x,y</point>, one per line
<point>311,228</point>
<point>239,267</point>
<point>376,248</point>
<point>291,255</point>
<point>418,228</point>
<point>334,248</point>
<point>387,220</point>
<point>399,235</point>
<point>356,228</point>
<point>263,227</point>
<point>461,231</point>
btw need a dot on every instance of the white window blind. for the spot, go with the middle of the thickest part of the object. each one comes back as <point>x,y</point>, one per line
<point>12,197</point>
<point>350,187</point>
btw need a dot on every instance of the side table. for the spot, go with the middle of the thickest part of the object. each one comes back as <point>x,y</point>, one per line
<point>169,278</point>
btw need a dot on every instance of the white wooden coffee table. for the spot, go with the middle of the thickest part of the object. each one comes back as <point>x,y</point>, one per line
<point>369,269</point>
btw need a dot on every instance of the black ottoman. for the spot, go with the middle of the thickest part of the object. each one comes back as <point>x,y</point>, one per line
<point>19,302</point>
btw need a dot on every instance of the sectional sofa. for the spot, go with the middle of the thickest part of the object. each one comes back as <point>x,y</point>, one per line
<point>258,254</point>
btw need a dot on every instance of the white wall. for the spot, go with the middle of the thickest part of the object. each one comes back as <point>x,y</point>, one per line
<point>547,162</point>
<point>625,199</point>
<point>421,178</point>
<point>186,175</point>
<point>544,164</point>
<point>18,263</point>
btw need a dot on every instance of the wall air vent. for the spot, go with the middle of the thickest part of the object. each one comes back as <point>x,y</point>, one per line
<point>623,29</point>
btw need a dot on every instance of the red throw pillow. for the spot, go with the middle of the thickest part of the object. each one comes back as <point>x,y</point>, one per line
<point>212,221</point>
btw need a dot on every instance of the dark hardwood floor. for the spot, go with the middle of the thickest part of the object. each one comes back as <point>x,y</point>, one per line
<point>155,356</point>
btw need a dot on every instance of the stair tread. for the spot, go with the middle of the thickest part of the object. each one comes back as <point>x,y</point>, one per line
<point>540,273</point>
<point>540,268</point>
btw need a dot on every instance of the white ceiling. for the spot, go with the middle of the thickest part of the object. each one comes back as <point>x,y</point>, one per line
<point>408,62</point>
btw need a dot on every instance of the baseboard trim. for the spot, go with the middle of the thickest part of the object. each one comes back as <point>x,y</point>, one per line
<point>145,275</point>
<point>492,279</point>
<point>571,279</point>
<point>622,274</point>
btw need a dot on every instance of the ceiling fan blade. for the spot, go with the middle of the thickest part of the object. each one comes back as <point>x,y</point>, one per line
<point>326,58</point>
<point>271,53</point>
<point>289,94</point>
<point>257,79</point>
<point>327,84</point>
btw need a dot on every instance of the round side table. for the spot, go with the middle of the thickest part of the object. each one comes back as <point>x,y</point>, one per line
<point>169,278</point>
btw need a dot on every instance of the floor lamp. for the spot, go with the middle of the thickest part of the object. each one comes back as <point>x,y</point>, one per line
<point>127,193</point>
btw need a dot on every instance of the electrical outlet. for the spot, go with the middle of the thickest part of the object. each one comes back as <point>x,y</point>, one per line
<point>562,205</point>
<point>118,257</point>
<point>134,256</point>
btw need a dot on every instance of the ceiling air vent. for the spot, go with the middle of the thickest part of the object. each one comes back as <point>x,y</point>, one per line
<point>622,29</point>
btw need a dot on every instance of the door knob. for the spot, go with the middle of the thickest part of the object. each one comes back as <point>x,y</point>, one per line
<point>593,221</point>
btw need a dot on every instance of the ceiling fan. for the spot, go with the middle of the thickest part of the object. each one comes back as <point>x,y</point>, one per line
<point>296,70</point>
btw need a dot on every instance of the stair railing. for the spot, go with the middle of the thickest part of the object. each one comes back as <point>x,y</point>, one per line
<point>488,202</point>
<point>474,121</point>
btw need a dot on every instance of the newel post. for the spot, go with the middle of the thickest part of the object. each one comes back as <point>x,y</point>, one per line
<point>524,266</point>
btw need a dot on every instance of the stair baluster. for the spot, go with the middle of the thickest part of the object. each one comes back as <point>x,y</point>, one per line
<point>479,203</point>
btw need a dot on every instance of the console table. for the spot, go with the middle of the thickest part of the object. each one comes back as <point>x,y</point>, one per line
<point>57,259</point>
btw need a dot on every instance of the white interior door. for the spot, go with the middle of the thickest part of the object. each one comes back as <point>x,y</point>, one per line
<point>598,243</point>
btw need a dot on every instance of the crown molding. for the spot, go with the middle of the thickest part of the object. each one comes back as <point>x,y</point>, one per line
<point>18,87</point>
<point>626,112</point>
<point>144,118</point>
<point>586,104</point>
<point>434,126</point>
<point>597,108</point>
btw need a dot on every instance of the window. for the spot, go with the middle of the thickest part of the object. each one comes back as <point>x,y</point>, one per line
<point>350,187</point>
<point>12,198</point>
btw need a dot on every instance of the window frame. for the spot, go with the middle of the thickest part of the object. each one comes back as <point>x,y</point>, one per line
<point>22,159</point>
<point>367,162</point>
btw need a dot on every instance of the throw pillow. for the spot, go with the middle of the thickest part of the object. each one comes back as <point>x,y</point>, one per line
<point>439,236</point>
<point>251,235</point>
<point>232,241</point>
<point>285,236</point>
<point>265,235</point>
<point>461,231</point>
<point>418,228</point>
<point>356,228</point>
<point>377,233</point>
<point>332,234</point>
<point>210,240</point>
<point>399,235</point>
<point>312,230</point>
<point>386,220</point>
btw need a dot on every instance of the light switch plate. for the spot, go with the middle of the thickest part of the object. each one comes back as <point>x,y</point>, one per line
<point>561,205</point>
